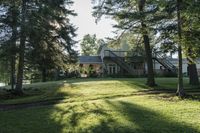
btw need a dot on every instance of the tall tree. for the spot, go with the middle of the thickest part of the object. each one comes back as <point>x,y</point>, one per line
<point>18,88</point>
<point>150,79</point>
<point>189,33</point>
<point>139,16</point>
<point>44,31</point>
<point>10,22</point>
<point>191,37</point>
<point>51,39</point>
<point>89,45</point>
<point>180,91</point>
<point>14,25</point>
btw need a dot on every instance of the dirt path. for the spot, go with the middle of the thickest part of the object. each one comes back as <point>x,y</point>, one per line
<point>169,93</point>
<point>6,107</point>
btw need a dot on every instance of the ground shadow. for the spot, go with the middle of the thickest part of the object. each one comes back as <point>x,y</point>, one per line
<point>34,114</point>
<point>53,119</point>
<point>148,120</point>
<point>67,118</point>
<point>31,120</point>
<point>165,91</point>
<point>35,95</point>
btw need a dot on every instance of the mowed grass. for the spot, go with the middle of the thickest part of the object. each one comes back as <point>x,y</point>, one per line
<point>101,106</point>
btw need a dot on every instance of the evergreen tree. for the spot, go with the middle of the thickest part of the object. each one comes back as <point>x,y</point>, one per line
<point>180,91</point>
<point>9,20</point>
<point>191,32</point>
<point>23,26</point>
<point>140,17</point>
<point>44,34</point>
<point>51,41</point>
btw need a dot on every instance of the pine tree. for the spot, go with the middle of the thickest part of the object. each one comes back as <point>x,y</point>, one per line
<point>43,30</point>
<point>191,32</point>
<point>10,22</point>
<point>180,91</point>
<point>51,41</point>
<point>150,79</point>
<point>141,17</point>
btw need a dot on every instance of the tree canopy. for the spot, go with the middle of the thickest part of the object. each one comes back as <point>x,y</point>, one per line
<point>36,34</point>
<point>89,45</point>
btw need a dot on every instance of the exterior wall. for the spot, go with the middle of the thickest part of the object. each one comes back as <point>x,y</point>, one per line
<point>118,53</point>
<point>158,67</point>
<point>142,69</point>
<point>97,68</point>
<point>105,53</point>
<point>185,65</point>
<point>102,53</point>
<point>112,68</point>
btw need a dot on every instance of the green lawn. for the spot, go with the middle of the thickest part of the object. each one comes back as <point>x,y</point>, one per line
<point>103,105</point>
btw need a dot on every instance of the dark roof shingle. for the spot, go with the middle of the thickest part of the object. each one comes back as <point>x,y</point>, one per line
<point>89,60</point>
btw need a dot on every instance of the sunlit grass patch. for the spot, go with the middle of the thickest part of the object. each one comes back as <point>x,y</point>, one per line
<point>97,105</point>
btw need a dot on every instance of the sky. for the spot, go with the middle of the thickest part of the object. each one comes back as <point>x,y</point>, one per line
<point>86,22</point>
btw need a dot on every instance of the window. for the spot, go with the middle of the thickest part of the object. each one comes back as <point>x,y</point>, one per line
<point>112,69</point>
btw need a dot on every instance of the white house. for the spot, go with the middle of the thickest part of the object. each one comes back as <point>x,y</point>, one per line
<point>121,62</point>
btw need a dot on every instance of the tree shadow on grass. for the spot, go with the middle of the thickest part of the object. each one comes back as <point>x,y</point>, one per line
<point>91,118</point>
<point>31,120</point>
<point>137,119</point>
<point>80,80</point>
<point>36,95</point>
<point>148,120</point>
<point>136,85</point>
<point>74,119</point>
<point>164,91</point>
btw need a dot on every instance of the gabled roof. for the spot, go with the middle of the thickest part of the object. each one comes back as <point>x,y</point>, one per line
<point>89,60</point>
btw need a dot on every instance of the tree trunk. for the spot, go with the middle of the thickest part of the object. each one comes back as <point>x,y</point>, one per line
<point>12,78</point>
<point>193,75</point>
<point>150,72</point>
<point>56,74</point>
<point>13,47</point>
<point>192,69</point>
<point>18,89</point>
<point>44,75</point>
<point>180,91</point>
<point>148,52</point>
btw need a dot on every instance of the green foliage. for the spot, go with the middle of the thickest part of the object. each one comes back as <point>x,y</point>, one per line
<point>89,45</point>
<point>9,22</point>
<point>46,36</point>
<point>191,29</point>
<point>139,17</point>
<point>51,41</point>
<point>88,70</point>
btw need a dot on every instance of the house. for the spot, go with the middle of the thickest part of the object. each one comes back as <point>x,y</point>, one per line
<point>110,62</point>
<point>124,63</point>
<point>94,63</point>
<point>174,61</point>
